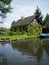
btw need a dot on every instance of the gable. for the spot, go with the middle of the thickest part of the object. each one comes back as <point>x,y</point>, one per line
<point>34,22</point>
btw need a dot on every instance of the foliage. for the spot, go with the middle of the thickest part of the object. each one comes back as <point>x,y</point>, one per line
<point>5,7</point>
<point>24,32</point>
<point>12,25</point>
<point>10,33</point>
<point>18,33</point>
<point>47,18</point>
<point>7,2</point>
<point>35,29</point>
<point>46,21</point>
<point>47,24</point>
<point>38,15</point>
<point>46,29</point>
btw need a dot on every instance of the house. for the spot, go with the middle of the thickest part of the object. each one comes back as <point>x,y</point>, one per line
<point>22,24</point>
<point>2,30</point>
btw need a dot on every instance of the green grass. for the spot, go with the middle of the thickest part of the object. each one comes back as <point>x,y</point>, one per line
<point>16,36</point>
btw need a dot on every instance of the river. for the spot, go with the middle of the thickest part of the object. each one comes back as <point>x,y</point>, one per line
<point>26,52</point>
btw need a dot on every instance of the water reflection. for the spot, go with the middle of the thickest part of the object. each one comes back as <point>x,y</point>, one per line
<point>28,52</point>
<point>46,46</point>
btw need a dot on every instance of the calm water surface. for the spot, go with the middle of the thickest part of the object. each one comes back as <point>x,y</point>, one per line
<point>28,52</point>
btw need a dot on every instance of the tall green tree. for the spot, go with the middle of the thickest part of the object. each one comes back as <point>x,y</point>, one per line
<point>46,18</point>
<point>46,21</point>
<point>5,8</point>
<point>38,15</point>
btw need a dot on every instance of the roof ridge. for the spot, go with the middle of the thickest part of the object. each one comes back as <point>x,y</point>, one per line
<point>25,21</point>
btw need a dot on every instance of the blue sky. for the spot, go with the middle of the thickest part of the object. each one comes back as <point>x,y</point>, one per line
<point>25,8</point>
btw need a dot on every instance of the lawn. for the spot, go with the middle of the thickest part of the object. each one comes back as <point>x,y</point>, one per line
<point>16,36</point>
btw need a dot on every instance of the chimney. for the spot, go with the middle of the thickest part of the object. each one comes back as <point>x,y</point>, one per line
<point>22,18</point>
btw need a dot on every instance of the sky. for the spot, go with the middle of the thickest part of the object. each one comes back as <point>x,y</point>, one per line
<point>25,8</point>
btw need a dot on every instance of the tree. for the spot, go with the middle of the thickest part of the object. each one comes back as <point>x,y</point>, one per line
<point>38,15</point>
<point>46,24</point>
<point>5,8</point>
<point>46,20</point>
<point>13,23</point>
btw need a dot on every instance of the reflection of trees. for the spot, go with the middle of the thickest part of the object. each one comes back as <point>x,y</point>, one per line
<point>39,54</point>
<point>32,47</point>
<point>46,46</point>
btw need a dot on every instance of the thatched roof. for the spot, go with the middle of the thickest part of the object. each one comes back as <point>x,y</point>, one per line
<point>24,21</point>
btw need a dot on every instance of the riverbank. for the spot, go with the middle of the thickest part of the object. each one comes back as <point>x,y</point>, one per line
<point>17,37</point>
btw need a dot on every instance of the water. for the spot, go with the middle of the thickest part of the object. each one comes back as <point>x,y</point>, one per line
<point>28,52</point>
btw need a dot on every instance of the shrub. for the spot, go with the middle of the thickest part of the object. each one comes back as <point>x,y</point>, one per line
<point>24,32</point>
<point>35,29</point>
<point>10,33</point>
<point>18,33</point>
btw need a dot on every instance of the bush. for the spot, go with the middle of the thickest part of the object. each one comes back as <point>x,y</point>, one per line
<point>24,32</point>
<point>10,33</point>
<point>18,33</point>
<point>35,29</point>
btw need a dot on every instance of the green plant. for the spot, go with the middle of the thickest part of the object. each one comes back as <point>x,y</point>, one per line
<point>5,8</point>
<point>18,33</point>
<point>38,16</point>
<point>10,33</point>
<point>35,29</point>
<point>24,32</point>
